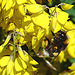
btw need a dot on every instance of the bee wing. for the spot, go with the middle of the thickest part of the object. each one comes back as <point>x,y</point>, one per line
<point>50,65</point>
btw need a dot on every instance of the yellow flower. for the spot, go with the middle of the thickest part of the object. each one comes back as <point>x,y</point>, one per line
<point>61,57</point>
<point>58,20</point>
<point>7,4</point>
<point>4,45</point>
<point>66,6</point>
<point>71,50</point>
<point>55,25</point>
<point>62,17</point>
<point>11,48</point>
<point>72,68</point>
<point>35,42</point>
<point>21,2</point>
<point>4,61</point>
<point>65,73</point>
<point>34,8</point>
<point>21,63</point>
<point>10,66</point>
<point>69,25</point>
<point>11,27</point>
<point>52,10</point>
<point>32,61</point>
<point>7,40</point>
<point>22,9</point>
<point>1,48</point>
<point>31,24</point>
<point>71,45</point>
<point>41,20</point>
<point>0,1</point>
<point>29,28</point>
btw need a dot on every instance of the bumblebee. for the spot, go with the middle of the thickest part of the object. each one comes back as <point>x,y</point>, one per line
<point>54,46</point>
<point>58,43</point>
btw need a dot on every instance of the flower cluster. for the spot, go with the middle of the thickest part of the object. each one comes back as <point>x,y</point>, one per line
<point>14,60</point>
<point>28,23</point>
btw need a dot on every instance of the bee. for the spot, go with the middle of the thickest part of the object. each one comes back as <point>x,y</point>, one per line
<point>58,43</point>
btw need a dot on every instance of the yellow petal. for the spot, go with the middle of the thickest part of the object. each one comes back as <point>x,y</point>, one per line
<point>13,72</point>
<point>62,17</point>
<point>52,10</point>
<point>26,73</point>
<point>29,28</point>
<point>26,21</point>
<point>40,34</point>
<point>34,8</point>
<point>72,67</point>
<point>1,69</point>
<point>69,25</point>
<point>0,1</point>
<point>1,48</point>
<point>31,68</point>
<point>20,64</point>
<point>22,10</point>
<point>11,27</point>
<point>22,31</point>
<point>8,14</point>
<point>61,57</point>
<point>66,6</point>
<point>71,50</point>
<point>4,71</point>
<point>9,4</point>
<point>21,40</point>
<point>4,60</point>
<point>7,40</point>
<point>27,18</point>
<point>72,73</point>
<point>35,42</point>
<point>71,34</point>
<point>11,48</point>
<point>10,66</point>
<point>37,48</point>
<point>3,3</point>
<point>26,55</point>
<point>21,54</point>
<point>41,20</point>
<point>21,1</point>
<point>55,25</point>
<point>11,13</point>
<point>23,64</point>
<point>32,61</point>
<point>34,69</point>
<point>44,44</point>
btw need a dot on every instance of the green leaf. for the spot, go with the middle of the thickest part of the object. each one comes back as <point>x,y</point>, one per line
<point>72,60</point>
